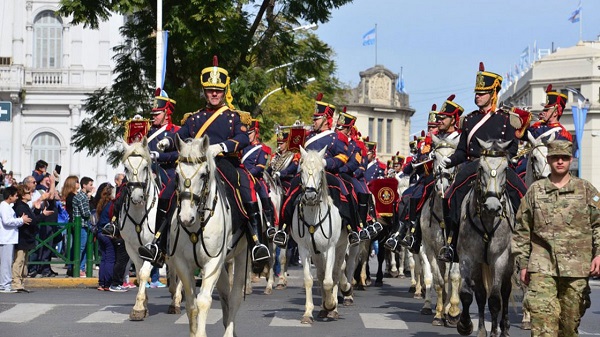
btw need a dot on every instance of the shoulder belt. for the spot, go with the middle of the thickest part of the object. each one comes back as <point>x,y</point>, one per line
<point>477,126</point>
<point>252,150</point>
<point>549,132</point>
<point>158,132</point>
<point>317,137</point>
<point>210,121</point>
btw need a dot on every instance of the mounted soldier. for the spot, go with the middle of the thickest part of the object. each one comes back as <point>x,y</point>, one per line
<point>163,166</point>
<point>336,156</point>
<point>227,131</point>
<point>375,168</point>
<point>485,123</point>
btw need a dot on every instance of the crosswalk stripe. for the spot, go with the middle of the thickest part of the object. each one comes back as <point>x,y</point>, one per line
<point>214,315</point>
<point>25,312</point>
<point>383,321</point>
<point>288,321</point>
<point>106,315</point>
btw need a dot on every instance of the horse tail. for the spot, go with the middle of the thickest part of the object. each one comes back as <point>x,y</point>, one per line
<point>486,275</point>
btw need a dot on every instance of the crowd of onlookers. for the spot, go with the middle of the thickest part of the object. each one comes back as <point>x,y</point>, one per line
<point>35,200</point>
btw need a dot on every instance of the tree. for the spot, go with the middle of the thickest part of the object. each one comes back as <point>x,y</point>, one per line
<point>249,37</point>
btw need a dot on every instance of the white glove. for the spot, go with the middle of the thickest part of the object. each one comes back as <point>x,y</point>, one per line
<point>215,149</point>
<point>162,145</point>
<point>445,163</point>
<point>324,162</point>
<point>154,155</point>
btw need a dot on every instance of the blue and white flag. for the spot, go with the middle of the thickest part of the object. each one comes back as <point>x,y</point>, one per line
<point>370,37</point>
<point>575,16</point>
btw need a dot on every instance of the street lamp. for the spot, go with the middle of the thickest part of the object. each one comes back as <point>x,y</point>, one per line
<point>276,90</point>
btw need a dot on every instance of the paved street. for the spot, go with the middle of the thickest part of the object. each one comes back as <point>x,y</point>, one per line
<point>386,311</point>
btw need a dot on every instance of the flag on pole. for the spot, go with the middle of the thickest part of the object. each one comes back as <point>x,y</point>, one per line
<point>370,37</point>
<point>575,16</point>
<point>400,84</point>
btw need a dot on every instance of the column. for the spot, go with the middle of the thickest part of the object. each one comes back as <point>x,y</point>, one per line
<point>18,51</point>
<point>75,157</point>
<point>29,36</point>
<point>17,148</point>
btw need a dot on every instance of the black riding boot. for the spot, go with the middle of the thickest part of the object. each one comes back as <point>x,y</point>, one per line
<point>412,240</point>
<point>398,229</point>
<point>363,211</point>
<point>376,224</point>
<point>269,213</point>
<point>156,250</point>
<point>260,252</point>
<point>448,252</point>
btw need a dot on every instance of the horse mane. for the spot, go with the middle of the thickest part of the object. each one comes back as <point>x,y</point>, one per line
<point>194,153</point>
<point>137,148</point>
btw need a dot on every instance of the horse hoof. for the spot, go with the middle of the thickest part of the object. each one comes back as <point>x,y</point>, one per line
<point>360,287</point>
<point>394,274</point>
<point>174,310</point>
<point>368,282</point>
<point>418,296</point>
<point>334,315</point>
<point>412,289</point>
<point>348,302</point>
<point>268,291</point>
<point>464,330</point>
<point>388,275</point>
<point>437,322</point>
<point>347,293</point>
<point>450,321</point>
<point>307,320</point>
<point>323,313</point>
<point>426,311</point>
<point>483,333</point>
<point>281,286</point>
<point>526,325</point>
<point>378,283</point>
<point>138,315</point>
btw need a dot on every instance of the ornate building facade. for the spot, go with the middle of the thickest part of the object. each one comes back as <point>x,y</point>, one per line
<point>47,66</point>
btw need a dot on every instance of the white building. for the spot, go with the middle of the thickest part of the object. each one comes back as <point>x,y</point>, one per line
<point>575,67</point>
<point>47,67</point>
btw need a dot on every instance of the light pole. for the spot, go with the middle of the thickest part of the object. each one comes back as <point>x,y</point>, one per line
<point>257,109</point>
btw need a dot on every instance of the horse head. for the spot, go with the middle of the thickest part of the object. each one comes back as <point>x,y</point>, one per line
<point>137,162</point>
<point>443,147</point>
<point>195,172</point>
<point>312,174</point>
<point>537,165</point>
<point>491,175</point>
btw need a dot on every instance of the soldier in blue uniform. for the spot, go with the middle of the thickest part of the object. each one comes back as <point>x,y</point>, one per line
<point>353,176</point>
<point>485,123</point>
<point>336,156</point>
<point>254,158</point>
<point>375,168</point>
<point>163,166</point>
<point>227,131</point>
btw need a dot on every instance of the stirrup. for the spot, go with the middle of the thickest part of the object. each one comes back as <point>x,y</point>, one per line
<point>260,252</point>
<point>364,235</point>
<point>446,254</point>
<point>353,239</point>
<point>408,241</point>
<point>270,232</point>
<point>280,238</point>
<point>378,227</point>
<point>150,252</point>
<point>371,230</point>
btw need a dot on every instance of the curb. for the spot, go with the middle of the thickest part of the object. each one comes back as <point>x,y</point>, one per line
<point>70,282</point>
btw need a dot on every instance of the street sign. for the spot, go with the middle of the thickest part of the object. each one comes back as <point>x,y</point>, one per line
<point>5,111</point>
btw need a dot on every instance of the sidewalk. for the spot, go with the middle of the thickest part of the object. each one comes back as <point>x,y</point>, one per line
<point>62,281</point>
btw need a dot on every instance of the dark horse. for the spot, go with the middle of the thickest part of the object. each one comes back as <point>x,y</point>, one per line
<point>484,240</point>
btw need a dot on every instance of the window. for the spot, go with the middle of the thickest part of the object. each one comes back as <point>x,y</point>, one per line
<point>45,146</point>
<point>47,41</point>
<point>380,131</point>
<point>372,129</point>
<point>388,136</point>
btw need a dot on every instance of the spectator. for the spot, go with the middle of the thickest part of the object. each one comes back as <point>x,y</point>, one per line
<point>26,240</point>
<point>69,190</point>
<point>8,179</point>
<point>81,208</point>
<point>40,170</point>
<point>47,188</point>
<point>105,245</point>
<point>9,236</point>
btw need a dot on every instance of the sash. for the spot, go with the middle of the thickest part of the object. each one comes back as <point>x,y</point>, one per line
<point>158,132</point>
<point>549,132</point>
<point>317,137</point>
<point>252,150</point>
<point>477,126</point>
<point>371,164</point>
<point>210,121</point>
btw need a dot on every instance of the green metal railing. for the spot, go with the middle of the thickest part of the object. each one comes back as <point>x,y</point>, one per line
<point>72,239</point>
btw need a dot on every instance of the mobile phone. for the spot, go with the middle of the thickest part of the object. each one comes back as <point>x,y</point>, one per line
<point>57,168</point>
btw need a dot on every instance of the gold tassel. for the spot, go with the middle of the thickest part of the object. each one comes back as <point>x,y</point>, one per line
<point>229,98</point>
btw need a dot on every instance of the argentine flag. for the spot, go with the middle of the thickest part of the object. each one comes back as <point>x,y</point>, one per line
<point>576,14</point>
<point>369,37</point>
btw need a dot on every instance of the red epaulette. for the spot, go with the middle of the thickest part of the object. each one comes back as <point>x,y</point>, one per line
<point>362,147</point>
<point>537,124</point>
<point>174,128</point>
<point>407,161</point>
<point>382,166</point>
<point>342,137</point>
<point>267,149</point>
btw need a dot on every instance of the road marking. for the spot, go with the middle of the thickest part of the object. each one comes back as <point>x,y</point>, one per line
<point>288,321</point>
<point>487,324</point>
<point>106,315</point>
<point>214,315</point>
<point>25,312</point>
<point>581,332</point>
<point>383,321</point>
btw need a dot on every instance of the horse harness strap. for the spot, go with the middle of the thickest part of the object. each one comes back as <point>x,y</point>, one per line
<point>312,227</point>
<point>485,235</point>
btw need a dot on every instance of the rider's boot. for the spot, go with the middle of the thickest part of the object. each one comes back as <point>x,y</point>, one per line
<point>410,240</point>
<point>269,217</point>
<point>363,211</point>
<point>260,252</point>
<point>155,250</point>
<point>376,224</point>
<point>393,242</point>
<point>448,252</point>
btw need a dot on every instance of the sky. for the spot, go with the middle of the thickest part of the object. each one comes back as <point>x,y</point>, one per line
<point>438,44</point>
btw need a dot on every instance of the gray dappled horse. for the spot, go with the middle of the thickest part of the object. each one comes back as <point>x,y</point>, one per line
<point>317,228</point>
<point>203,236</point>
<point>136,224</point>
<point>447,310</point>
<point>484,240</point>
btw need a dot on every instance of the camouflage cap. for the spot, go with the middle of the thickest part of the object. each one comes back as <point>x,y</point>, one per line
<point>560,148</point>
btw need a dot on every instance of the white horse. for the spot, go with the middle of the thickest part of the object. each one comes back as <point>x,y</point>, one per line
<point>136,224</point>
<point>203,236</point>
<point>317,228</point>
<point>537,164</point>
<point>447,310</point>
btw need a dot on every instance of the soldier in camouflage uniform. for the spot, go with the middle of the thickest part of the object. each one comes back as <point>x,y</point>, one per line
<point>553,249</point>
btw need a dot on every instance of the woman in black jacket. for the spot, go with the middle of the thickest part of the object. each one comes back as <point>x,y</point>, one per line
<point>27,235</point>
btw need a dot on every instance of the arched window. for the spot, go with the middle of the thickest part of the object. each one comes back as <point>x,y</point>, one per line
<point>47,41</point>
<point>45,146</point>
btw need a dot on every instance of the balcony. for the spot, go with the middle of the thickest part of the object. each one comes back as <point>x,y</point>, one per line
<point>16,77</point>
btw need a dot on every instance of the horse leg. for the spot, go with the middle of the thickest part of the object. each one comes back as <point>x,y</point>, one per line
<point>175,288</point>
<point>282,284</point>
<point>186,275</point>
<point>326,278</point>
<point>465,324</point>
<point>455,283</point>
<point>235,295</point>
<point>140,309</point>
<point>210,274</point>
<point>307,318</point>
<point>505,292</point>
<point>428,280</point>
<point>481,298</point>
<point>494,300</point>
<point>380,259</point>
<point>346,277</point>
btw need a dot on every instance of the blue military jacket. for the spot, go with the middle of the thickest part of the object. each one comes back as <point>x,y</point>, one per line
<point>254,158</point>
<point>167,161</point>
<point>353,166</point>
<point>336,144</point>
<point>375,170</point>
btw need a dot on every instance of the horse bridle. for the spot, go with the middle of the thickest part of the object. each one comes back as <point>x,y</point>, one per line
<point>138,183</point>
<point>444,174</point>
<point>482,194</point>
<point>536,175</point>
<point>302,202</point>
<point>317,191</point>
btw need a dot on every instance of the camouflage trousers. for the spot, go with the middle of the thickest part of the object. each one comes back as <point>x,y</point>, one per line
<point>557,304</point>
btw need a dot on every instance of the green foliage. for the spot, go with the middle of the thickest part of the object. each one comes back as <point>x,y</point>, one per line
<point>251,38</point>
